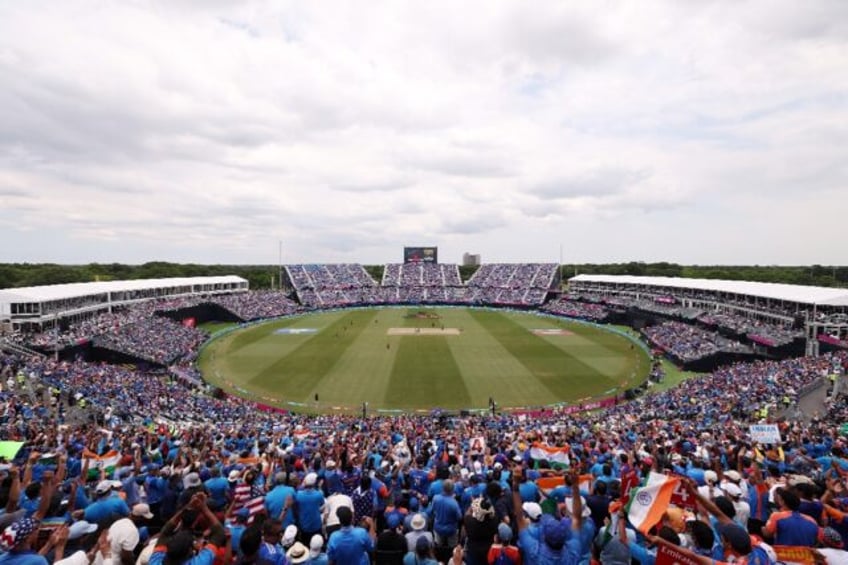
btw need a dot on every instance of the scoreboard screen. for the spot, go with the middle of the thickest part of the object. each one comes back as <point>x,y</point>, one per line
<point>420,254</point>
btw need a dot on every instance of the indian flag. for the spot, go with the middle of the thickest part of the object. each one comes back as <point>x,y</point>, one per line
<point>649,502</point>
<point>107,462</point>
<point>549,483</point>
<point>557,457</point>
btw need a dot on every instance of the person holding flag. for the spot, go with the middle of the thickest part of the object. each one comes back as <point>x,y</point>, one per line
<point>556,542</point>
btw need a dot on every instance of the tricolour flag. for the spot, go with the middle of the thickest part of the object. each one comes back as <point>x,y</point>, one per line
<point>649,502</point>
<point>557,457</point>
<point>550,483</point>
<point>586,483</point>
<point>107,462</point>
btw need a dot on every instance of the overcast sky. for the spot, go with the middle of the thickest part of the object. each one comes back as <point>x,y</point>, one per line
<point>196,131</point>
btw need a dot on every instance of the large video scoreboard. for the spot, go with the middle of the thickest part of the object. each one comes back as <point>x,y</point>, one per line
<point>420,254</point>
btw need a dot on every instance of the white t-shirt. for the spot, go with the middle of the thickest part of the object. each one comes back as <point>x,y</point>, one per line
<point>76,558</point>
<point>333,503</point>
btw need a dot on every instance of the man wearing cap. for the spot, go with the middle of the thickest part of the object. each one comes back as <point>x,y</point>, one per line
<point>743,509</point>
<point>582,524</point>
<point>555,543</point>
<point>317,556</point>
<point>351,545</point>
<point>123,534</point>
<point>81,547</point>
<point>501,546</point>
<point>236,527</point>
<point>17,541</point>
<point>309,503</point>
<point>532,513</point>
<point>106,504</point>
<point>156,486</point>
<point>332,478</point>
<point>710,488</point>
<point>391,544</point>
<point>280,499</point>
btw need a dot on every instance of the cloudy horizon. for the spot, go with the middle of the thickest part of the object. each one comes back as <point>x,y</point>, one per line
<point>209,131</point>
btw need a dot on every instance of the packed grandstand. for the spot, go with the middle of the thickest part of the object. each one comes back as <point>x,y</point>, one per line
<point>137,459</point>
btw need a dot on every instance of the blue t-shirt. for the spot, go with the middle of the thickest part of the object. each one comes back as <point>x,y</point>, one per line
<point>446,515</point>
<point>205,556</point>
<point>309,503</point>
<point>538,552</point>
<point>22,558</point>
<point>275,501</point>
<point>218,488</point>
<point>350,546</point>
<point>271,554</point>
<point>104,509</point>
<point>155,488</point>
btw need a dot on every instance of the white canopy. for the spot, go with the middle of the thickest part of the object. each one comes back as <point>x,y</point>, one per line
<point>73,290</point>
<point>819,295</point>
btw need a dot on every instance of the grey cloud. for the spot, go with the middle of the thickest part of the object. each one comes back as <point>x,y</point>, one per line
<point>461,166</point>
<point>13,192</point>
<point>377,186</point>
<point>473,223</point>
<point>594,183</point>
<point>560,38</point>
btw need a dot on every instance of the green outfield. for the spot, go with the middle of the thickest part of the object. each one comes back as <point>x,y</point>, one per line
<point>421,358</point>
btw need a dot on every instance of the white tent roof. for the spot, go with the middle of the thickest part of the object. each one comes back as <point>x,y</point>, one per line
<point>823,296</point>
<point>74,290</point>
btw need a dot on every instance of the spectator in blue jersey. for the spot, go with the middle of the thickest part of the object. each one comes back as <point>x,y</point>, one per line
<point>218,488</point>
<point>317,555</point>
<point>107,504</point>
<point>421,555</point>
<point>332,478</point>
<point>309,502</point>
<point>156,486</point>
<point>280,499</point>
<point>236,529</point>
<point>351,545</point>
<point>271,551</point>
<point>446,515</point>
<point>787,526</point>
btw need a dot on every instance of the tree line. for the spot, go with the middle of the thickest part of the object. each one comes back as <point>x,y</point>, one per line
<point>14,275</point>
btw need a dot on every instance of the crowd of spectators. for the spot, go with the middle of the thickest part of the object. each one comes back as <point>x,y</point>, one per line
<point>255,484</point>
<point>524,284</point>
<point>257,304</point>
<point>690,343</point>
<point>421,275</point>
<point>333,286</point>
<point>156,339</point>
<point>774,334</point>
<point>580,310</point>
<point>201,479</point>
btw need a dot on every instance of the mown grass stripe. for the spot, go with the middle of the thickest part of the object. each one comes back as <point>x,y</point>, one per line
<point>368,360</point>
<point>561,373</point>
<point>424,367</point>
<point>298,372</point>
<point>489,370</point>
